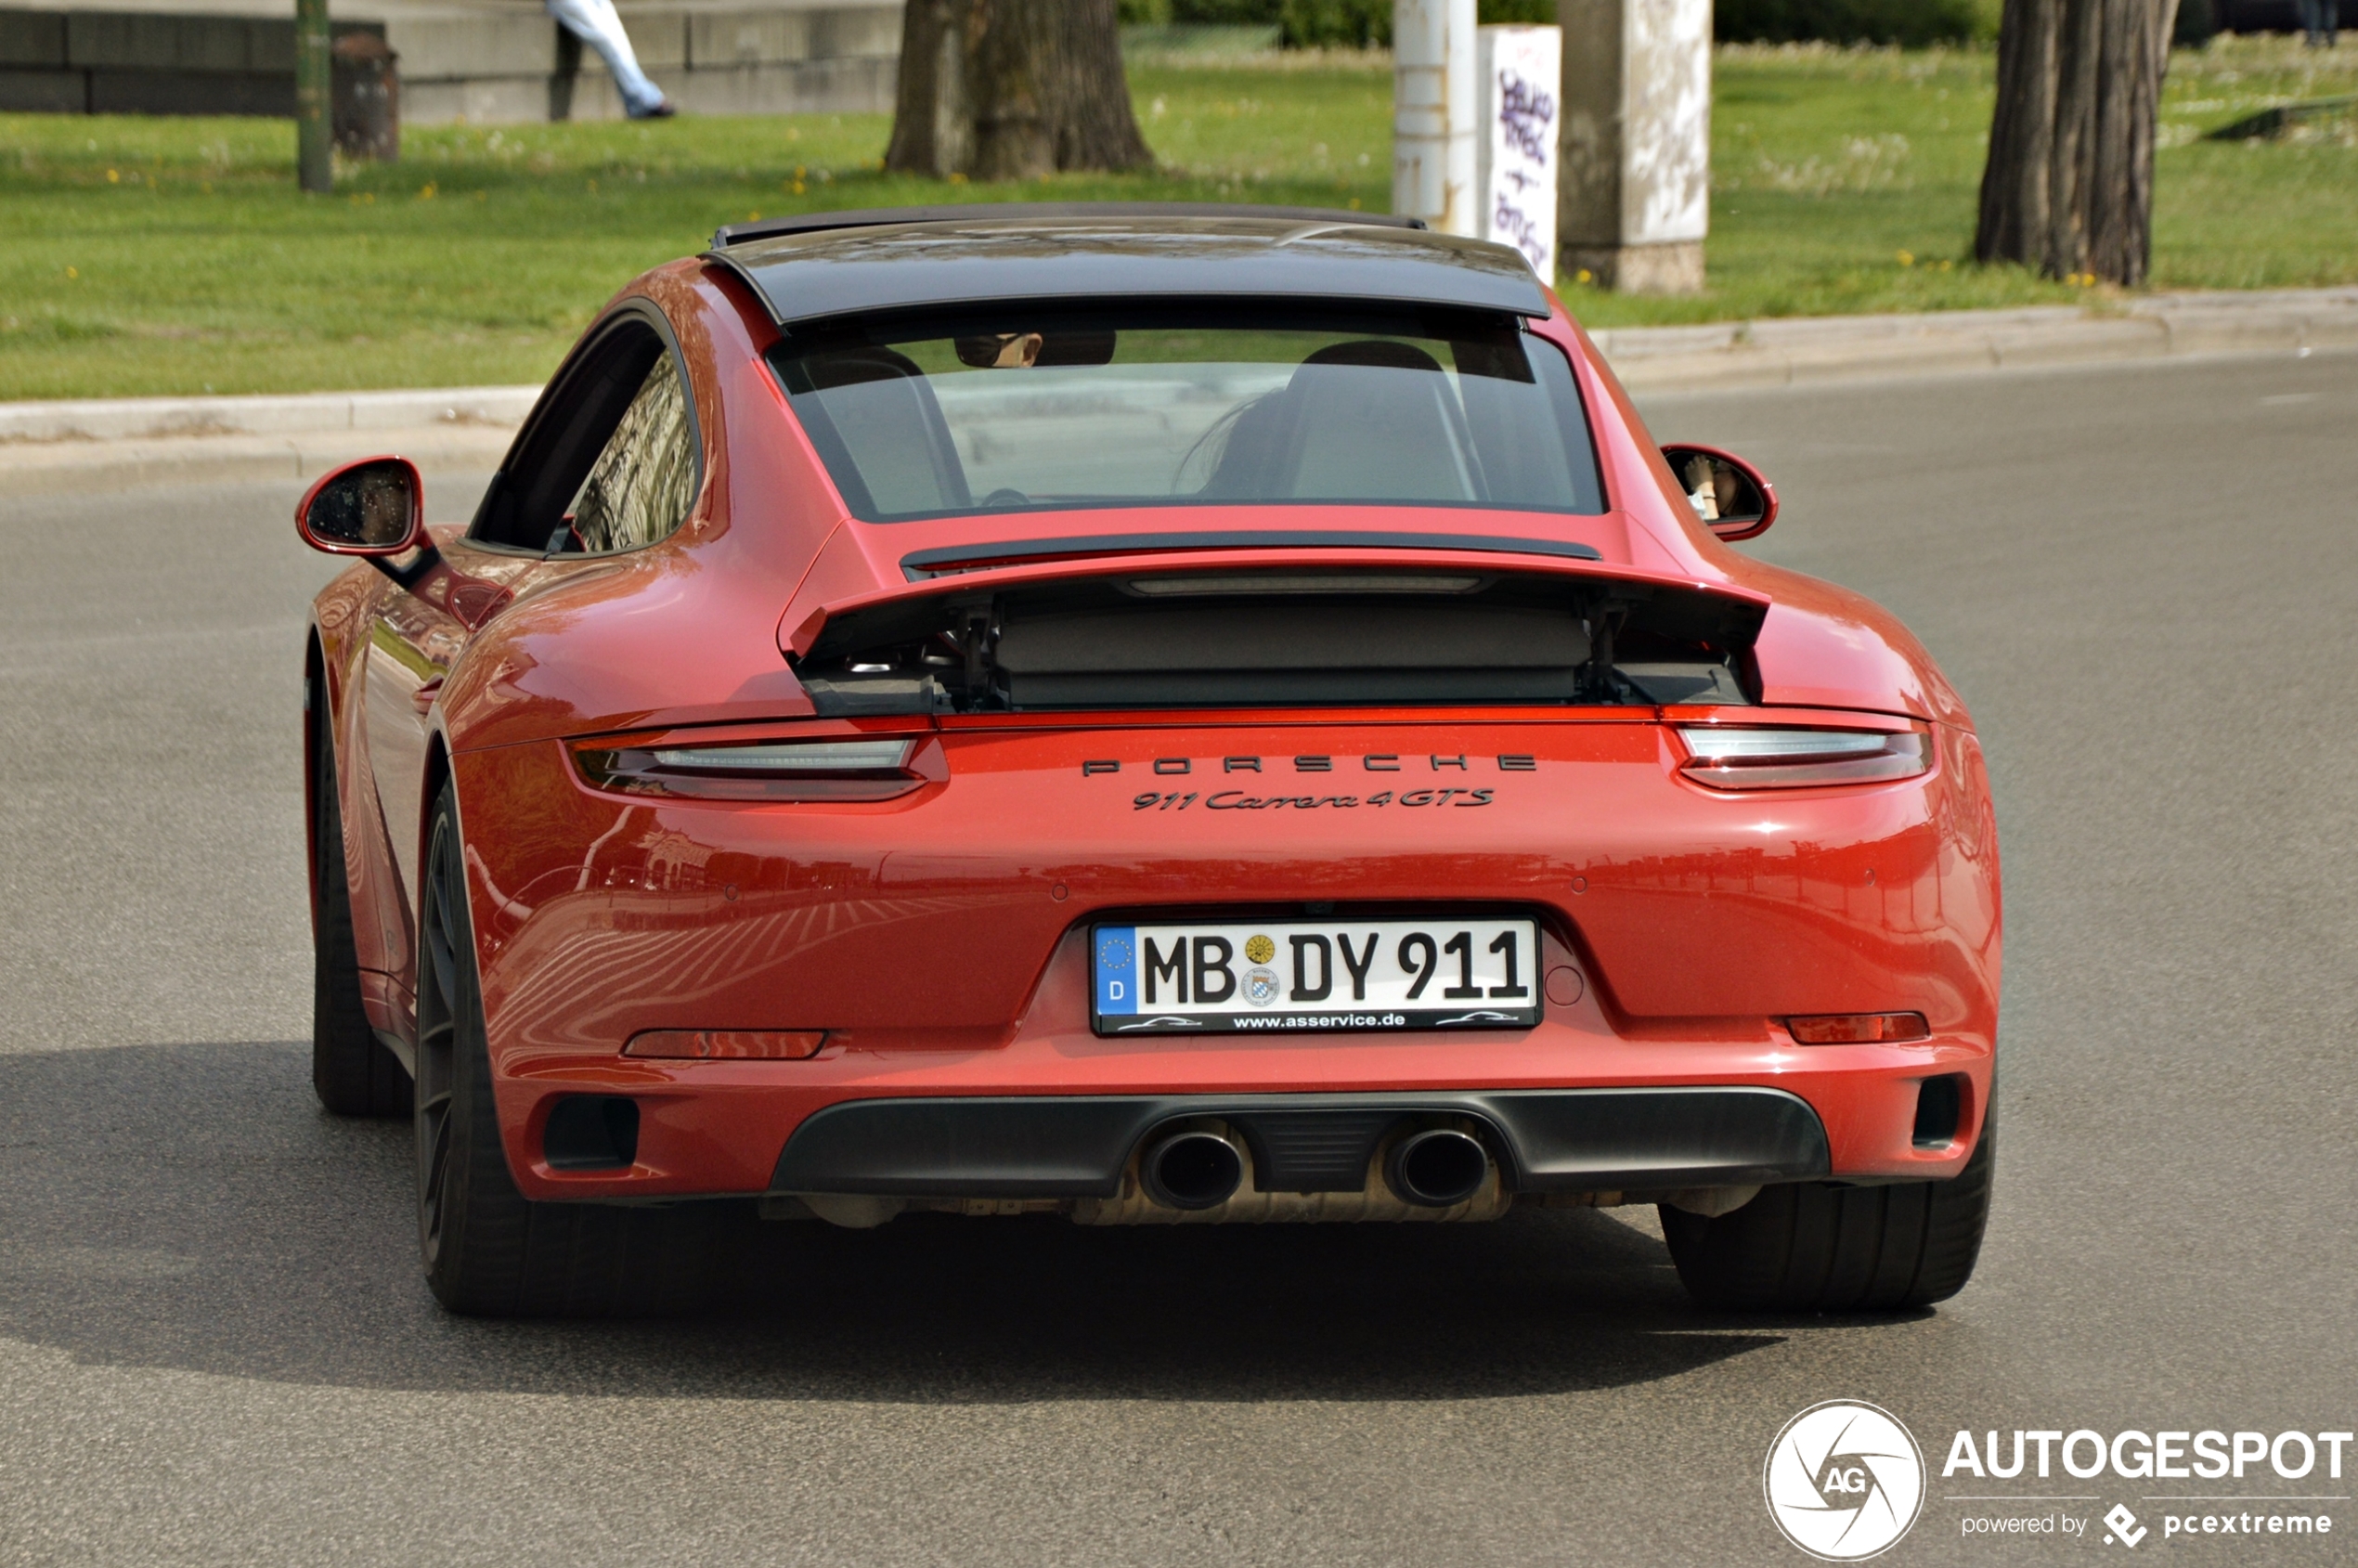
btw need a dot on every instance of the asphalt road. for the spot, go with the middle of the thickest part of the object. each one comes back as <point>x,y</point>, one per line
<point>214,1346</point>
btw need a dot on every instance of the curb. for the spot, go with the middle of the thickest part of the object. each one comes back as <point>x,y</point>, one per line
<point>88,467</point>
<point>84,445</point>
<point>1740,355</point>
<point>104,444</point>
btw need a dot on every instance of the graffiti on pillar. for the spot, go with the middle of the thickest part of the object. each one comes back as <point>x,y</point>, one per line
<point>1521,100</point>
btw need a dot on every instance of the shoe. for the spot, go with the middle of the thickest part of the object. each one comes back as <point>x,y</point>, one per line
<point>665,110</point>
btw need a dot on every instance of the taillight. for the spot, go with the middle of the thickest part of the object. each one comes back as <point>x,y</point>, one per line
<point>839,768</point>
<point>1857,1028</point>
<point>1728,757</point>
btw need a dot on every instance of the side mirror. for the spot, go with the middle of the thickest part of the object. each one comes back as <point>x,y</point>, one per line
<point>1728,493</point>
<point>373,508</point>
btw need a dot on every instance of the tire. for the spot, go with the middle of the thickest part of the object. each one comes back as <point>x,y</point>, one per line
<point>351,1071</point>
<point>1817,1247</point>
<point>488,1251</point>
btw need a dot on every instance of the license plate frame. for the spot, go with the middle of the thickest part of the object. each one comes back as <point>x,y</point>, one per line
<point>1146,976</point>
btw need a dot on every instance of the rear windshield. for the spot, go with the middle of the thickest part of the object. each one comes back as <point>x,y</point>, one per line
<point>1054,412</point>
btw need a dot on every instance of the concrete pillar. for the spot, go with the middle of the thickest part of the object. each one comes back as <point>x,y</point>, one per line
<point>1636,183</point>
<point>1520,67</point>
<point>1432,113</point>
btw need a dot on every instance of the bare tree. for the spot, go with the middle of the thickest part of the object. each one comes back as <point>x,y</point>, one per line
<point>2068,187</point>
<point>1012,89</point>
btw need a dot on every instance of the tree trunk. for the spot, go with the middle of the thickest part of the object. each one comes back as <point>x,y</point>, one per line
<point>2068,187</point>
<point>1096,127</point>
<point>1012,89</point>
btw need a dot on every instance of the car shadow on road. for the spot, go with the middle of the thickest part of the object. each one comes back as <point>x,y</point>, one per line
<point>190,1206</point>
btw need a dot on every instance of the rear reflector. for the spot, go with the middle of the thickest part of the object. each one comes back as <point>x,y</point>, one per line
<point>828,770</point>
<point>1733,756</point>
<point>727,1044</point>
<point>1857,1029</point>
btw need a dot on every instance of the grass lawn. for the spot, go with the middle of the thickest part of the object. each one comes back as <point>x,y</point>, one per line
<point>141,256</point>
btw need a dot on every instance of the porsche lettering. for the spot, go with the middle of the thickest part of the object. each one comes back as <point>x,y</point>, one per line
<point>1377,762</point>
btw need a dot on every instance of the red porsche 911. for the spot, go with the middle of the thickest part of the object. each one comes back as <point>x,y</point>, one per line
<point>1155,715</point>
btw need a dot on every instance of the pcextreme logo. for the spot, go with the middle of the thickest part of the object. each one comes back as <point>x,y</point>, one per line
<point>1845,1481</point>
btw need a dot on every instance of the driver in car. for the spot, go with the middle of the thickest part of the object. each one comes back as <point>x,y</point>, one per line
<point>1712,487</point>
<point>1000,351</point>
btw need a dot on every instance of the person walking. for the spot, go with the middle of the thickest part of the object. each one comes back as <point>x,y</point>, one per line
<point>2319,20</point>
<point>596,23</point>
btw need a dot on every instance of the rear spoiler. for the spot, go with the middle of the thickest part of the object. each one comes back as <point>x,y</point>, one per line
<point>1004,628</point>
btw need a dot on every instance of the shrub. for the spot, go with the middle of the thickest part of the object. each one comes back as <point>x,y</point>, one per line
<point>1495,12</point>
<point>1910,23</point>
<point>1311,24</point>
<point>1306,24</point>
<point>1225,13</point>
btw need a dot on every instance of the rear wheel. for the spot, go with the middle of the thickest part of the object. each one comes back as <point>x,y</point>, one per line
<point>1816,1247</point>
<point>351,1071</point>
<point>488,1249</point>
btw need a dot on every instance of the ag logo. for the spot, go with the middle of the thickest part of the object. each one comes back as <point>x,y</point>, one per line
<point>1844,1481</point>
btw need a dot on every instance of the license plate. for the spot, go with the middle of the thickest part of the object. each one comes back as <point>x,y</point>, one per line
<point>1443,973</point>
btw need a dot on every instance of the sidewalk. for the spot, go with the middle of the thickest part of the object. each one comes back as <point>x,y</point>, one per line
<point>48,447</point>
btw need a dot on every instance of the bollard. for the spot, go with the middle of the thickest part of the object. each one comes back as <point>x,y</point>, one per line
<point>1521,80</point>
<point>1432,113</point>
<point>367,98</point>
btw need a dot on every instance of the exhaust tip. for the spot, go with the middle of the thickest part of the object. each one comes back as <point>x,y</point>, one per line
<point>1437,1168</point>
<point>1196,1170</point>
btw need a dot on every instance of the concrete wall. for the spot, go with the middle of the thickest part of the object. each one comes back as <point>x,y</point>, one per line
<point>118,62</point>
<point>480,60</point>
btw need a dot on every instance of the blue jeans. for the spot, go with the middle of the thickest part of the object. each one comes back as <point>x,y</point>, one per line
<point>2319,19</point>
<point>596,24</point>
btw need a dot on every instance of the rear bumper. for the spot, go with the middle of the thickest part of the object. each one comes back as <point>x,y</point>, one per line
<point>1075,1146</point>
<point>1057,1115</point>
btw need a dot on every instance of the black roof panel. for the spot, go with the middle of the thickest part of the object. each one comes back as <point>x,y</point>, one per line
<point>887,261</point>
<point>966,212</point>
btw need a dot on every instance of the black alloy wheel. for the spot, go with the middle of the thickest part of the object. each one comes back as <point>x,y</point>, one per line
<point>488,1249</point>
<point>1820,1247</point>
<point>351,1071</point>
<point>439,1178</point>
